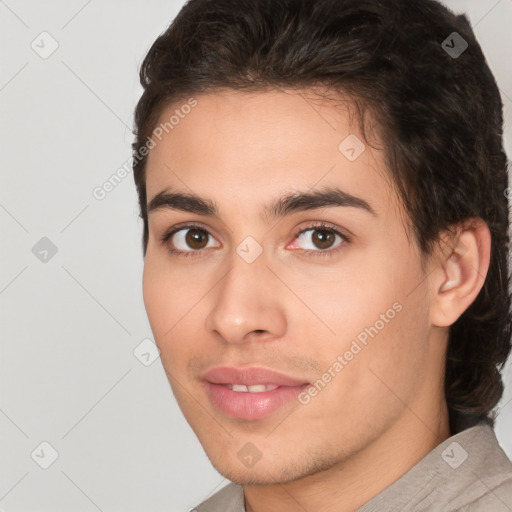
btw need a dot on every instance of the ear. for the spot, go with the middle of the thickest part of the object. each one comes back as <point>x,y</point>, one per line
<point>459,271</point>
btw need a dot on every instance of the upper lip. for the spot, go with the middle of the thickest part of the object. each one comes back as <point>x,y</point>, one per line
<point>250,376</point>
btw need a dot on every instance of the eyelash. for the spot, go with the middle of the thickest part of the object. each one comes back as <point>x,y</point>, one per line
<point>320,226</point>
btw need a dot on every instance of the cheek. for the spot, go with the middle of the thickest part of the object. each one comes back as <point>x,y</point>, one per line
<point>156,300</point>
<point>396,353</point>
<point>168,293</point>
<point>165,305</point>
<point>349,299</point>
<point>373,379</point>
<point>373,319</point>
<point>172,307</point>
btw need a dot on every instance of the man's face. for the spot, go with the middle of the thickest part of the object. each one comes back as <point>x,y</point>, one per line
<point>343,318</point>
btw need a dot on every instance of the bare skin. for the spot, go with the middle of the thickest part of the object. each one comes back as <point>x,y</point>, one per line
<point>294,311</point>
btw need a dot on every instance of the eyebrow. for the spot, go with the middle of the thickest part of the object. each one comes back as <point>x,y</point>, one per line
<point>289,203</point>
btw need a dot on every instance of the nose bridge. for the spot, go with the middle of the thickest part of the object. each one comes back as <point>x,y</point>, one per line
<point>245,298</point>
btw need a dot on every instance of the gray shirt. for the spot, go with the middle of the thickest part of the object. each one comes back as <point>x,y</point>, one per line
<point>468,472</point>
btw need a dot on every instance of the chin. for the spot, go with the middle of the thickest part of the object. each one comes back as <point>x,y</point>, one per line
<point>269,472</point>
<point>261,476</point>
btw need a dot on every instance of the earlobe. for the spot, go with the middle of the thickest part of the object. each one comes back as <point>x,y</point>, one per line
<point>463,266</point>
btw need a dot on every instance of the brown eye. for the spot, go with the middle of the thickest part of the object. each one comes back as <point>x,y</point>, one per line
<point>323,238</point>
<point>189,240</point>
<point>196,238</point>
<point>320,240</point>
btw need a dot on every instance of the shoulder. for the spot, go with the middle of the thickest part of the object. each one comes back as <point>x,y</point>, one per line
<point>468,472</point>
<point>228,499</point>
<point>482,479</point>
<point>497,498</point>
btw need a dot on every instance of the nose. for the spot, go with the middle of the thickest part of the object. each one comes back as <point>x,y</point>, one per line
<point>247,303</point>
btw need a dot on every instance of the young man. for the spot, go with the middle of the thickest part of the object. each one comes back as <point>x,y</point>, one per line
<point>322,185</point>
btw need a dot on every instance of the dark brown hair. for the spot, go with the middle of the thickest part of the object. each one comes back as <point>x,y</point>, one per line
<point>440,118</point>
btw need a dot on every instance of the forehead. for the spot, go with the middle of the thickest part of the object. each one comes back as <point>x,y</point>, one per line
<point>240,147</point>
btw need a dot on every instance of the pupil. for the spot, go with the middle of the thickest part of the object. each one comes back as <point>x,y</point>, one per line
<point>323,241</point>
<point>193,238</point>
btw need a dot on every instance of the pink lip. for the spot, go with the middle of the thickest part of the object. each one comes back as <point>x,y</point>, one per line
<point>249,376</point>
<point>247,405</point>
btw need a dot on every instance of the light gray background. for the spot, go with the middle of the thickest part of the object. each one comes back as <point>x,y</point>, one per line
<point>69,326</point>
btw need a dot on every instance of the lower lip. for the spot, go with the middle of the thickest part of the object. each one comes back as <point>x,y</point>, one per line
<point>251,406</point>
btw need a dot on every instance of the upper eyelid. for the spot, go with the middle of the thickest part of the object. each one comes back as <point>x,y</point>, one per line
<point>319,225</point>
<point>311,225</point>
<point>185,226</point>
